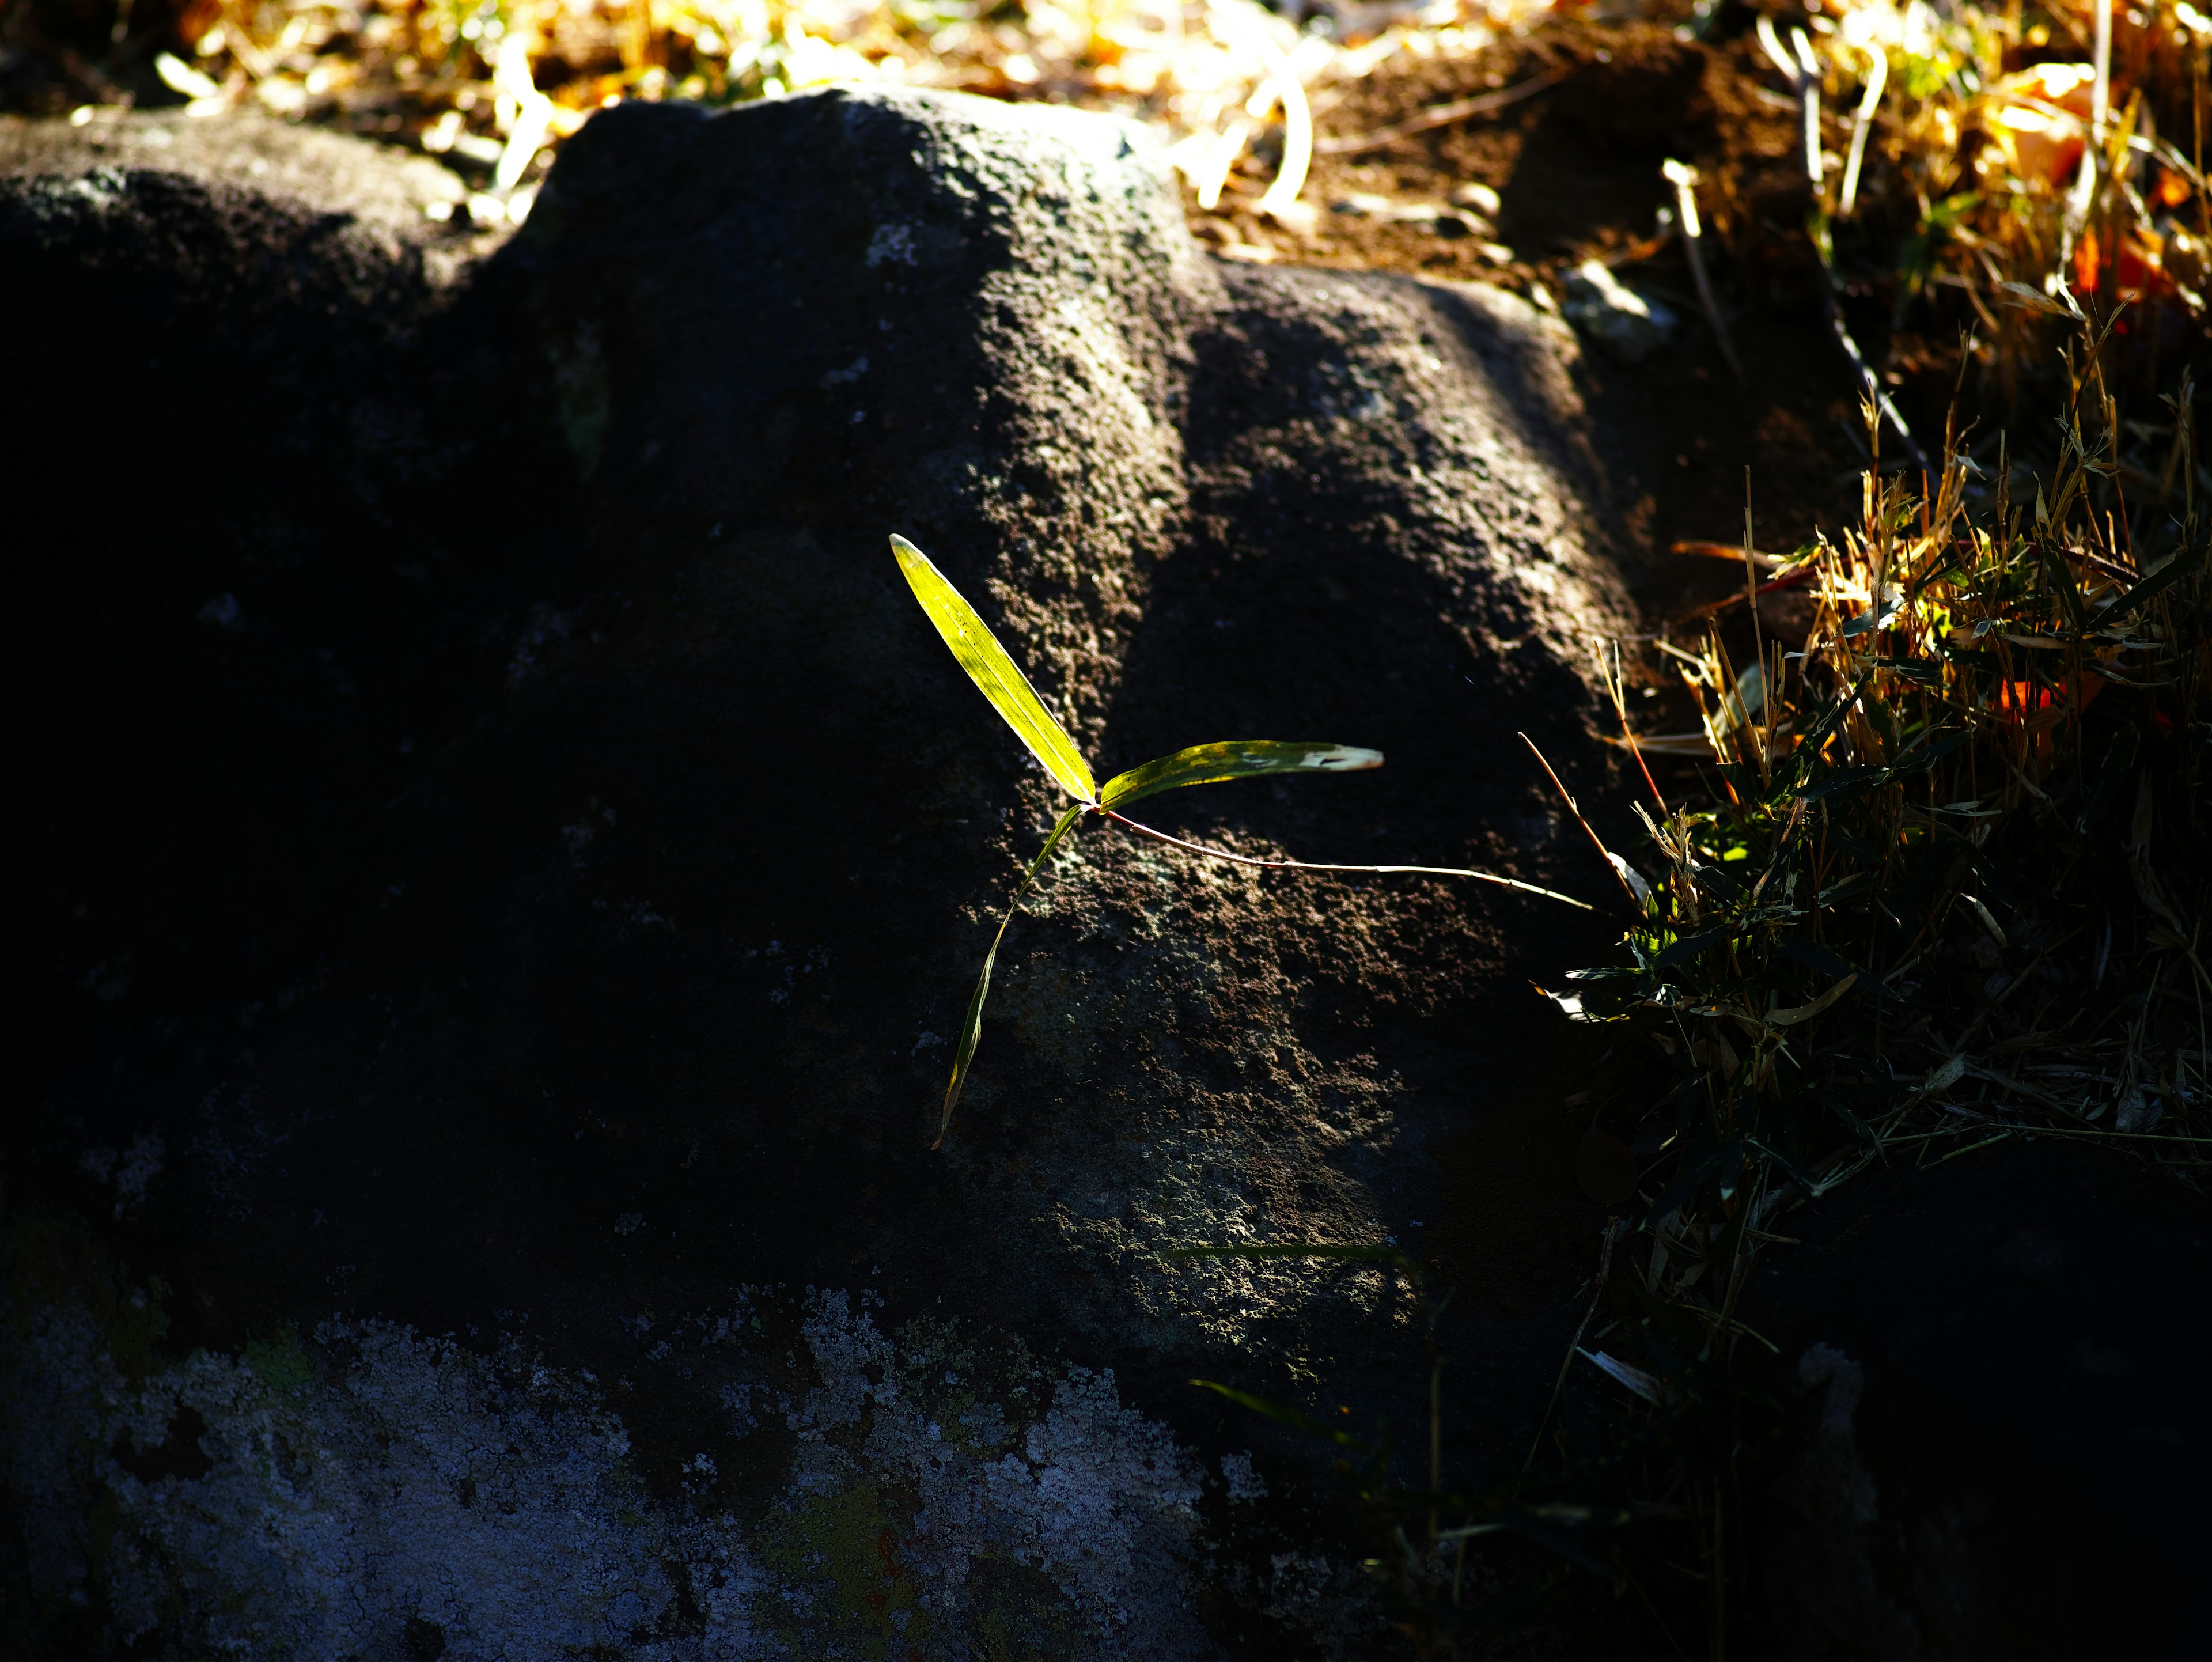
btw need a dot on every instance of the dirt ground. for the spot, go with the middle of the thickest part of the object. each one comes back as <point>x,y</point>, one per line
<point>1575,168</point>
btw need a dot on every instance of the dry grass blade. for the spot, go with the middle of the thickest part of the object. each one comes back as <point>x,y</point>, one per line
<point>1623,872</point>
<point>1310,866</point>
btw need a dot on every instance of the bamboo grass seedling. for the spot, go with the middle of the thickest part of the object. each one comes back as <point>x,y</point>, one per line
<point>992,670</point>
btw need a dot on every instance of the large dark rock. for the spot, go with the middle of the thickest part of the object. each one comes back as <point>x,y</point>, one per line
<point>516,858</point>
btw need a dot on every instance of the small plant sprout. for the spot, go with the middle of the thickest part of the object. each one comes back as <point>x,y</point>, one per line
<point>991,668</point>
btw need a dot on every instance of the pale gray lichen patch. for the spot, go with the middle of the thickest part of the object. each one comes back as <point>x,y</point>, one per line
<point>402,1479</point>
<point>910,1491</point>
<point>341,1488</point>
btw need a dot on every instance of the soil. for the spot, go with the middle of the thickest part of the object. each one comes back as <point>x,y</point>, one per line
<point>1577,170</point>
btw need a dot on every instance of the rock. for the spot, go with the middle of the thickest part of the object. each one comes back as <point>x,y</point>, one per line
<point>1629,325</point>
<point>2002,1455</point>
<point>368,1490</point>
<point>522,857</point>
<point>246,149</point>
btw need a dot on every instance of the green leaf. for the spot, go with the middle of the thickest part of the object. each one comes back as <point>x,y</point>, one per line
<point>999,675</point>
<point>1845,782</point>
<point>1928,747</point>
<point>2156,583</point>
<point>1832,965</point>
<point>1236,758</point>
<point>2119,761</point>
<point>972,1029</point>
<point>2062,579</point>
<point>1808,748</point>
<point>1682,951</point>
<point>1289,1416</point>
<point>1695,1168</point>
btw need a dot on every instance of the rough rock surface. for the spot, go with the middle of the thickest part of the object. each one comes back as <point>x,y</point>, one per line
<point>519,857</point>
<point>365,187</point>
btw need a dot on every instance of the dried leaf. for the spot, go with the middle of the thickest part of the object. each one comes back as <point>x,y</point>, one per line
<point>1943,1078</point>
<point>1646,1386</point>
<point>1791,1017</point>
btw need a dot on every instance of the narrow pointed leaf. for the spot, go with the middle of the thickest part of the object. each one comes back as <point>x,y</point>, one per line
<point>998,674</point>
<point>2164,577</point>
<point>1289,1416</point>
<point>1238,758</point>
<point>972,1029</point>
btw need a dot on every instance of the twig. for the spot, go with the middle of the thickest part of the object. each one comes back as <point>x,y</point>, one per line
<point>1800,578</point>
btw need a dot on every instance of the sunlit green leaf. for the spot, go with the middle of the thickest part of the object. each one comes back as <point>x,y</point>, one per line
<point>999,675</point>
<point>1236,758</point>
<point>972,1029</point>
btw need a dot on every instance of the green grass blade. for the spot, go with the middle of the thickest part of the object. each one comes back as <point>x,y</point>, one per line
<point>972,1029</point>
<point>1289,1416</point>
<point>2157,582</point>
<point>999,677</point>
<point>1238,758</point>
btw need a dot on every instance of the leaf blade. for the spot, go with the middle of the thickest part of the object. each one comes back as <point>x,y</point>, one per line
<point>1234,758</point>
<point>995,673</point>
<point>971,1029</point>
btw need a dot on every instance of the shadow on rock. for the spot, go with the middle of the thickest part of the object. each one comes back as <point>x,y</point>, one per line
<point>520,857</point>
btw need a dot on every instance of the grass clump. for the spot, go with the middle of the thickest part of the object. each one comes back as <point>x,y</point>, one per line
<point>1939,885</point>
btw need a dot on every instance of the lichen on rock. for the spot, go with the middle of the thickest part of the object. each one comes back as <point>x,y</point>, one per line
<point>549,849</point>
<point>378,1483</point>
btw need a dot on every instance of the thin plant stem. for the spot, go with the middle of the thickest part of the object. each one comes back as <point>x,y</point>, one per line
<point>1124,821</point>
<point>1565,795</point>
<point>1604,1269</point>
<point>1615,690</point>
